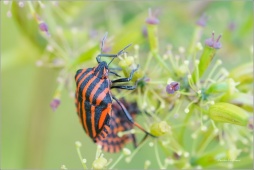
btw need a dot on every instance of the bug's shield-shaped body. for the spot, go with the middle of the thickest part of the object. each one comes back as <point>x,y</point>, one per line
<point>94,100</point>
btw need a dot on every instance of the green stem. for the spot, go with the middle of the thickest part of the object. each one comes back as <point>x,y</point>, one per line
<point>162,62</point>
<point>157,156</point>
<point>188,116</point>
<point>117,161</point>
<point>81,158</point>
<point>206,140</point>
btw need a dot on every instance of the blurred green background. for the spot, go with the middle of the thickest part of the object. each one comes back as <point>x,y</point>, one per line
<point>33,136</point>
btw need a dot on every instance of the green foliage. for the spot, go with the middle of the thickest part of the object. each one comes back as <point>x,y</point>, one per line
<point>196,127</point>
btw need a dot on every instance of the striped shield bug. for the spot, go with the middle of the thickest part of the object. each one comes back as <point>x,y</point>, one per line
<point>93,97</point>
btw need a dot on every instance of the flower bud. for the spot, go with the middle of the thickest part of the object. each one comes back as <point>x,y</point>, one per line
<point>228,113</point>
<point>206,57</point>
<point>55,103</point>
<point>126,62</point>
<point>160,128</point>
<point>172,87</point>
<point>99,163</point>
<point>243,73</point>
<point>152,31</point>
<point>126,151</point>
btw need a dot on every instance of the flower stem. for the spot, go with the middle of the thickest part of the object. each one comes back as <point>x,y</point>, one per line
<point>81,158</point>
<point>157,156</point>
<point>117,161</point>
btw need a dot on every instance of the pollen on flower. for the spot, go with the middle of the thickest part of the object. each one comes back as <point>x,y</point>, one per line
<point>186,154</point>
<point>186,110</point>
<point>216,131</point>
<point>151,144</point>
<point>219,62</point>
<point>39,63</point>
<point>165,57</point>
<point>136,47</point>
<point>170,161</point>
<point>126,151</point>
<point>204,128</point>
<point>84,161</point>
<point>78,144</point>
<point>6,2</point>
<point>205,117</point>
<point>49,48</point>
<point>197,62</point>
<point>222,142</point>
<point>198,167</point>
<point>9,14</point>
<point>194,136</point>
<point>120,134</point>
<point>147,164</point>
<point>181,50</point>
<point>199,46</point>
<point>179,153</point>
<point>21,4</point>
<point>63,167</point>
<point>186,62</point>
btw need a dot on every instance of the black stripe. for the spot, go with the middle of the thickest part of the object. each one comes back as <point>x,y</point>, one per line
<point>81,115</point>
<point>91,87</point>
<point>98,111</point>
<point>84,83</point>
<point>103,86</point>
<point>79,72</point>
<point>88,118</point>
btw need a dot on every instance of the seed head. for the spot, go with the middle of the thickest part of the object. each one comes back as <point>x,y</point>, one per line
<point>172,87</point>
<point>212,43</point>
<point>152,19</point>
<point>55,103</point>
<point>100,163</point>
<point>202,20</point>
<point>44,27</point>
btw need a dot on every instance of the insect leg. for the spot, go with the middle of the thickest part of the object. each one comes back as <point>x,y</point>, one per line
<point>114,73</point>
<point>124,87</point>
<point>126,79</point>
<point>127,114</point>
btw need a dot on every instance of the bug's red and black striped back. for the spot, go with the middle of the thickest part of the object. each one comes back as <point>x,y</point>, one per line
<point>119,123</point>
<point>93,100</point>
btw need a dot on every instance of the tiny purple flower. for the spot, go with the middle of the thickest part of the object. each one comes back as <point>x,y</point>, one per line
<point>172,87</point>
<point>152,19</point>
<point>250,123</point>
<point>44,27</point>
<point>144,31</point>
<point>232,26</point>
<point>212,43</point>
<point>55,103</point>
<point>202,21</point>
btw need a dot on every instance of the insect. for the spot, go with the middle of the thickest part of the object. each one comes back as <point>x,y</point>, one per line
<point>119,123</point>
<point>93,97</point>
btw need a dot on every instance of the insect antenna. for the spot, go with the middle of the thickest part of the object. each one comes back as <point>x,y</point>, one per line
<point>103,40</point>
<point>119,53</point>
